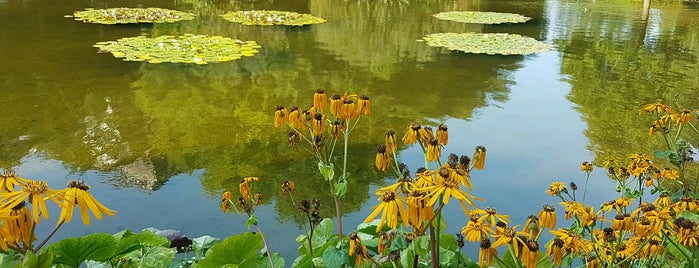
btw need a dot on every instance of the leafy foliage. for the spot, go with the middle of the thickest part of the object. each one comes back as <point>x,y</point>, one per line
<point>125,15</point>
<point>271,17</point>
<point>487,43</point>
<point>188,48</point>
<point>481,17</point>
<point>75,251</point>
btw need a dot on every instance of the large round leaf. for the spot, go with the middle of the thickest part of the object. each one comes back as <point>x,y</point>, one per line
<point>487,43</point>
<point>198,49</point>
<point>125,15</point>
<point>271,17</point>
<point>481,17</point>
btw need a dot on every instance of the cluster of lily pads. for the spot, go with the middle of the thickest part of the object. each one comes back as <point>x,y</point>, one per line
<point>485,43</point>
<point>124,15</point>
<point>271,17</point>
<point>189,48</point>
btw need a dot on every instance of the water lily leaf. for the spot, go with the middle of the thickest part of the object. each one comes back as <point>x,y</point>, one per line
<point>271,17</point>
<point>197,49</point>
<point>125,15</point>
<point>487,43</point>
<point>481,17</point>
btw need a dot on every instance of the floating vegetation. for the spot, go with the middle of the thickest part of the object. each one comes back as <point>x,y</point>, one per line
<point>487,43</point>
<point>271,17</point>
<point>125,15</point>
<point>189,48</point>
<point>481,17</point>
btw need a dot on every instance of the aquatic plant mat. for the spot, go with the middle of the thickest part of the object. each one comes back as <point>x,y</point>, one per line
<point>481,17</point>
<point>271,17</point>
<point>197,49</point>
<point>487,43</point>
<point>125,15</point>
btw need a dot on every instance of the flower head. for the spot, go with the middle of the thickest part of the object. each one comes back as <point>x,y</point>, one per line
<point>479,157</point>
<point>76,194</point>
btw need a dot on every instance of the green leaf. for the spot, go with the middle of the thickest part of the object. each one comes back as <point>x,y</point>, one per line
<point>487,43</point>
<point>125,15</point>
<point>341,189</point>
<point>407,257</point>
<point>328,171</point>
<point>9,259</point>
<point>399,243</point>
<point>32,260</point>
<point>481,17</point>
<point>232,251</point>
<point>675,159</point>
<point>445,256</point>
<point>155,257</point>
<point>97,264</point>
<point>261,261</point>
<point>421,246</point>
<point>252,220</point>
<point>203,243</point>
<point>333,257</point>
<point>74,251</point>
<point>129,241</point>
<point>661,154</point>
<point>323,232</point>
<point>448,242</point>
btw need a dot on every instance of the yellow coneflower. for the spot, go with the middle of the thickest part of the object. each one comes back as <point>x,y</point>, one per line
<point>684,117</point>
<point>419,212</point>
<point>531,226</point>
<point>573,243</point>
<point>434,150</point>
<point>244,189</point>
<point>281,116</point>
<point>654,127</point>
<point>572,208</point>
<point>442,134</point>
<point>447,186</point>
<point>592,262</point>
<point>663,200</point>
<point>8,181</point>
<point>490,215</point>
<point>656,107</point>
<point>318,124</point>
<point>258,199</point>
<point>294,138</point>
<point>320,100</point>
<point>390,207</point>
<point>348,110</point>
<point>530,253</point>
<point>476,229</point>
<point>426,135</point>
<point>618,222</point>
<point>357,249</point>
<point>76,194</point>
<point>36,191</point>
<point>589,217</point>
<point>296,118</point>
<point>425,178</point>
<point>686,232</point>
<point>486,253</point>
<point>555,251</point>
<point>19,226</point>
<point>670,174</point>
<point>288,187</point>
<point>336,105</point>
<point>382,158</point>
<point>391,141</point>
<point>226,201</point>
<point>654,248</point>
<point>510,236</point>
<point>643,227</point>
<point>586,166</point>
<point>363,105</point>
<point>555,188</point>
<point>479,157</point>
<point>337,127</point>
<point>547,217</point>
<point>412,134</point>
<point>686,203</point>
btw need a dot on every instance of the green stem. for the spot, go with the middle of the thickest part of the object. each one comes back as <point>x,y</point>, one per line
<point>55,229</point>
<point>264,241</point>
<point>587,179</point>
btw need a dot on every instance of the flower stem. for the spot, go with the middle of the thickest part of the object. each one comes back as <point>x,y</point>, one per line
<point>269,254</point>
<point>55,229</point>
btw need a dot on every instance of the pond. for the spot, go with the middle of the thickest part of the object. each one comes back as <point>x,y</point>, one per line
<point>160,143</point>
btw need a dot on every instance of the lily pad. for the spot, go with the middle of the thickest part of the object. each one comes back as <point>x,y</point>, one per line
<point>271,17</point>
<point>481,17</point>
<point>487,43</point>
<point>125,15</point>
<point>189,48</point>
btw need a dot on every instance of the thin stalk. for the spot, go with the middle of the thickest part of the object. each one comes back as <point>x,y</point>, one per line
<point>338,210</point>
<point>433,247</point>
<point>55,229</point>
<point>269,254</point>
<point>587,179</point>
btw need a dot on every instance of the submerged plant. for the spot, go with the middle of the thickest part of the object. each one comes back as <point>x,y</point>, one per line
<point>188,48</point>
<point>126,15</point>
<point>271,17</point>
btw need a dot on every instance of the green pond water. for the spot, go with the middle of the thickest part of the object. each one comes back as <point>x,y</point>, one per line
<point>161,142</point>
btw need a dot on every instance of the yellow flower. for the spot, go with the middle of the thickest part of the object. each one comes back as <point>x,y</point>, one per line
<point>505,235</point>
<point>419,212</point>
<point>485,254</point>
<point>479,157</point>
<point>663,200</point>
<point>573,243</point>
<point>686,232</point>
<point>76,194</point>
<point>363,105</point>
<point>288,187</point>
<point>36,191</point>
<point>348,110</point>
<point>390,208</point>
<point>653,248</point>
<point>447,186</point>
<point>442,134</point>
<point>281,116</point>
<point>670,174</point>
<point>391,141</point>
<point>686,203</point>
<point>297,118</point>
<point>18,226</point>
<point>337,127</point>
<point>357,249</point>
<point>547,217</point>
<point>476,229</point>
<point>530,253</point>
<point>9,180</point>
<point>294,138</point>
<point>244,189</point>
<point>381,162</point>
<point>426,135</point>
<point>318,124</point>
<point>320,100</point>
<point>655,107</point>
<point>491,216</point>
<point>555,251</point>
<point>555,188</point>
<point>226,201</point>
<point>336,105</point>
<point>411,135</point>
<point>586,166</point>
<point>434,150</point>
<point>684,117</point>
